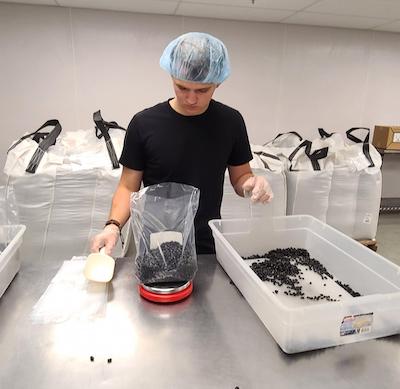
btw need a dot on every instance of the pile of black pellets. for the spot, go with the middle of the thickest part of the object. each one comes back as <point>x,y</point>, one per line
<point>281,268</point>
<point>170,262</point>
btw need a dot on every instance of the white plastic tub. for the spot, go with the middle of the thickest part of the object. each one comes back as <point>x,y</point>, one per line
<point>300,325</point>
<point>10,262</point>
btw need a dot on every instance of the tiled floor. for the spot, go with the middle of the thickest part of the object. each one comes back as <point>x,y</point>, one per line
<point>388,236</point>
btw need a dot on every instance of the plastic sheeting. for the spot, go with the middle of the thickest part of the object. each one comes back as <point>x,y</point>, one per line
<point>70,296</point>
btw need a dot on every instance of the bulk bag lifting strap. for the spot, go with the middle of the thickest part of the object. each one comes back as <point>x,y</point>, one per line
<point>45,140</point>
<point>364,141</point>
<point>313,157</point>
<point>283,138</point>
<point>102,130</point>
<point>264,158</point>
<point>323,134</point>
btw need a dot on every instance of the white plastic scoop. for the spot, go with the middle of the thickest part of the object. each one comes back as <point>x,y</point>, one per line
<point>99,267</point>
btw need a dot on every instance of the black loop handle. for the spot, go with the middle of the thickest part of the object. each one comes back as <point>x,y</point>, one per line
<point>284,133</point>
<point>313,157</point>
<point>355,139</point>
<point>45,141</point>
<point>323,134</point>
<point>102,131</point>
<point>364,141</point>
<point>265,163</point>
<point>37,136</point>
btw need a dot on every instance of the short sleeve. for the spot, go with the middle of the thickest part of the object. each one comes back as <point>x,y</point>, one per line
<point>132,155</point>
<point>241,152</point>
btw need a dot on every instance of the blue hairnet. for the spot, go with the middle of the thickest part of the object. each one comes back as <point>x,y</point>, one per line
<point>196,57</point>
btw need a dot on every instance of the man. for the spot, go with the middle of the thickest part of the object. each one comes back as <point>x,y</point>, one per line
<point>189,139</point>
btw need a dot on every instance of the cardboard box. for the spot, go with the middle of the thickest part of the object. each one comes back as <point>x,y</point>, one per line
<point>386,137</point>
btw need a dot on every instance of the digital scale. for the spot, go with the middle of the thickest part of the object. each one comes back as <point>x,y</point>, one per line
<point>166,292</point>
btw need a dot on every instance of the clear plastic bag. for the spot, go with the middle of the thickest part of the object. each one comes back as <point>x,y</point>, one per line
<point>162,220</point>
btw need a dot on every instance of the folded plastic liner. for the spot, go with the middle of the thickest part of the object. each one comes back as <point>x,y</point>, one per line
<point>70,296</point>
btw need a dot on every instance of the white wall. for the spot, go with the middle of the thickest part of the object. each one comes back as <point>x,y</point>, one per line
<point>66,63</point>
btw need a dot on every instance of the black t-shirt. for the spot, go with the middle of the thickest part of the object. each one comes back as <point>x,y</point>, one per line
<point>192,150</point>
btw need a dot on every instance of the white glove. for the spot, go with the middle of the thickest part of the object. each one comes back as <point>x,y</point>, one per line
<point>259,189</point>
<point>108,238</point>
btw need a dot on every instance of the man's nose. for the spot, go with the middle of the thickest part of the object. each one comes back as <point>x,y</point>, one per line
<point>191,97</point>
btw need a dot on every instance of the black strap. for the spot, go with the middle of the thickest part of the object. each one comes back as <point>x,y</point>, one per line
<point>45,140</point>
<point>102,131</point>
<point>313,157</point>
<point>37,136</point>
<point>265,163</point>
<point>364,141</point>
<point>284,133</point>
<point>323,134</point>
<point>264,154</point>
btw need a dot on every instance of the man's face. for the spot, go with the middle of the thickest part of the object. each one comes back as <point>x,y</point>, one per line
<point>192,98</point>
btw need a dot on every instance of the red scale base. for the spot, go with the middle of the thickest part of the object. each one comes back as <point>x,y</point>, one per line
<point>166,298</point>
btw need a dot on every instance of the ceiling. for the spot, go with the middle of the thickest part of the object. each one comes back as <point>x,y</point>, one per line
<point>382,15</point>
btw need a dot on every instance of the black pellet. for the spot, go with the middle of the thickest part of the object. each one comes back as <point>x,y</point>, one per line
<point>281,267</point>
<point>348,289</point>
<point>109,360</point>
<point>91,358</point>
<point>170,262</point>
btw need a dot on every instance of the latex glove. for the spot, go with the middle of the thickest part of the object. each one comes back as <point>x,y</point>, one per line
<point>259,189</point>
<point>108,238</point>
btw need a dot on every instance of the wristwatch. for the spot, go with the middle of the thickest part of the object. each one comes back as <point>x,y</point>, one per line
<point>113,221</point>
<point>118,224</point>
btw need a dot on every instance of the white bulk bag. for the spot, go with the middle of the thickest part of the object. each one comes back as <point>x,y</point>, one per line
<point>63,205</point>
<point>368,203</point>
<point>234,206</point>
<point>308,192</point>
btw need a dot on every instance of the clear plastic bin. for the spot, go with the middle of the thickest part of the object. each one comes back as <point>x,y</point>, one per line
<point>10,261</point>
<point>301,325</point>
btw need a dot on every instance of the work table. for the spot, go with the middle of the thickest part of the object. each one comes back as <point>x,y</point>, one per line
<point>213,339</point>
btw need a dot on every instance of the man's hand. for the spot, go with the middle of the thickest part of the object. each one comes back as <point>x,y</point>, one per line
<point>108,238</point>
<point>259,189</point>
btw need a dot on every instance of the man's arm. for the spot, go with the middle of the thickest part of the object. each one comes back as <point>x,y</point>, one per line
<point>243,179</point>
<point>129,182</point>
<point>120,210</point>
<point>238,176</point>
